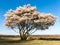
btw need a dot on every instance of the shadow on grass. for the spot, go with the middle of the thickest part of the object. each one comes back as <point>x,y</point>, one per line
<point>51,39</point>
<point>12,41</point>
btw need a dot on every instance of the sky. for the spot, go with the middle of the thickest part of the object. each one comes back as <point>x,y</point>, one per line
<point>43,6</point>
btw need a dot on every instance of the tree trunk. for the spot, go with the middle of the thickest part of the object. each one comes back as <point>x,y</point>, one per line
<point>23,36</point>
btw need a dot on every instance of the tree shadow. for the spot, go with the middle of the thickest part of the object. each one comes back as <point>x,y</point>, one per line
<point>12,41</point>
<point>50,39</point>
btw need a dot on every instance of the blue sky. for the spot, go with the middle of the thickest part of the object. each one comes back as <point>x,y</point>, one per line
<point>44,6</point>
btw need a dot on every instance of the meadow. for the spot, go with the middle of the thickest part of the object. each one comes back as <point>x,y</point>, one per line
<point>17,41</point>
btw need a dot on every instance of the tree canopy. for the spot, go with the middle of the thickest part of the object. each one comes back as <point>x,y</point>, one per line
<point>27,16</point>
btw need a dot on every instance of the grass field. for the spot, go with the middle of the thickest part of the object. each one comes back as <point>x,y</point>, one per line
<point>16,41</point>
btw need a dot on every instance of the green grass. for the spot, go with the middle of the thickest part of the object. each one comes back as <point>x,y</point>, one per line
<point>16,41</point>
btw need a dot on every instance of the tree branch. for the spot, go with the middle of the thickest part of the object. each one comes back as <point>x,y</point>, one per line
<point>15,31</point>
<point>33,31</point>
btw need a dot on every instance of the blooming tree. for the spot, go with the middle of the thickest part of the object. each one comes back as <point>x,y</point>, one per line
<point>26,19</point>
